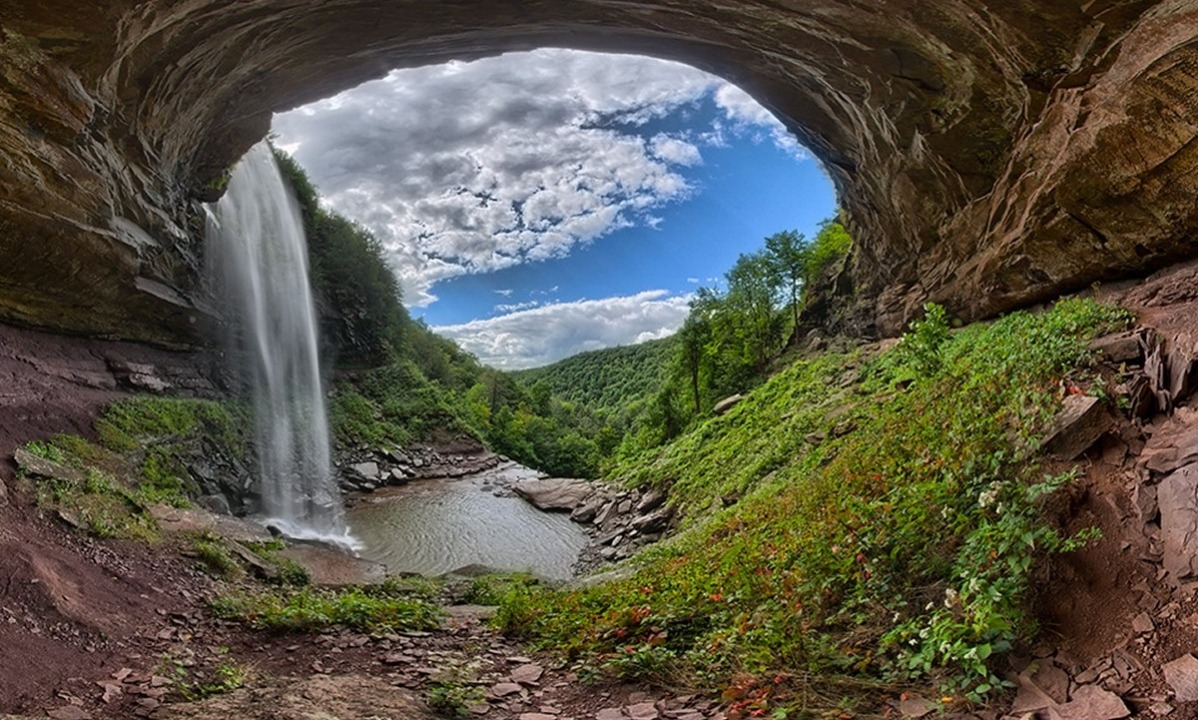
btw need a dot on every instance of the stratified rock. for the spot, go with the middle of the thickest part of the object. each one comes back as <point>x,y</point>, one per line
<point>1124,347</point>
<point>642,711</point>
<point>41,467</point>
<point>560,494</point>
<point>1177,496</point>
<point>1079,424</point>
<point>198,520</point>
<point>1182,676</point>
<point>983,164</point>
<point>654,522</point>
<point>216,503</point>
<point>587,511</point>
<point>727,404</point>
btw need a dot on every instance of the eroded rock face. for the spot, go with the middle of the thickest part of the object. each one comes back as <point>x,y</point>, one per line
<point>987,153</point>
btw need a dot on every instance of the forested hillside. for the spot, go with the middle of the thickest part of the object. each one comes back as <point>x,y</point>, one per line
<point>606,381</point>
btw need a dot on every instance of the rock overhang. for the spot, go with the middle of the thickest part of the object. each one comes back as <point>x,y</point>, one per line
<point>986,154</point>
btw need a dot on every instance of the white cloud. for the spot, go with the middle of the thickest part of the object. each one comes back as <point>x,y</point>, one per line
<point>506,292</point>
<point>474,167</point>
<point>538,336</point>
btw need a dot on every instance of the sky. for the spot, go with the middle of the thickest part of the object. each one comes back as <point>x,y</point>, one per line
<point>535,205</point>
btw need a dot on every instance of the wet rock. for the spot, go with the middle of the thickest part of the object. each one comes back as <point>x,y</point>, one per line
<point>1177,496</point>
<point>554,494</point>
<point>216,503</point>
<point>366,470</point>
<point>334,567</point>
<point>1079,424</point>
<point>727,404</point>
<point>1182,676</point>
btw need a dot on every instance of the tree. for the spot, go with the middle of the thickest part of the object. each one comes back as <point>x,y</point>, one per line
<point>788,253</point>
<point>750,297</point>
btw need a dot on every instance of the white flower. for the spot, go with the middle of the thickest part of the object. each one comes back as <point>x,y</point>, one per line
<point>950,598</point>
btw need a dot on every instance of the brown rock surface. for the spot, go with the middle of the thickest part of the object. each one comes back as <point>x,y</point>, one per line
<point>986,154</point>
<point>345,697</point>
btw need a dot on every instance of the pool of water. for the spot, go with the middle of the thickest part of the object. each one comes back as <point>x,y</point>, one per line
<point>434,526</point>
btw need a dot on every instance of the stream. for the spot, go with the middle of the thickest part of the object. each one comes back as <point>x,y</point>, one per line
<point>435,526</point>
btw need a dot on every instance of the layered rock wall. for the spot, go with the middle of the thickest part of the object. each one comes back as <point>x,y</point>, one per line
<point>987,153</point>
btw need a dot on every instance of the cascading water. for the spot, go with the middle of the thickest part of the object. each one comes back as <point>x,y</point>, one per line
<point>258,264</point>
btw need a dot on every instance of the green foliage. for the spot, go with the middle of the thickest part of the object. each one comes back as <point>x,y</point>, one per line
<point>308,609</point>
<point>831,243</point>
<point>452,699</point>
<point>293,574</point>
<point>358,293</point>
<point>98,504</point>
<point>224,678</point>
<point>605,382</point>
<point>848,517</point>
<point>922,347</point>
<point>215,558</point>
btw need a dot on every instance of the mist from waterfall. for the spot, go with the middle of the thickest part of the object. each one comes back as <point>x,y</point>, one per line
<point>257,262</point>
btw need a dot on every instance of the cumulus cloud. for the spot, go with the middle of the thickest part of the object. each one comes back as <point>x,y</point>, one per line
<point>475,167</point>
<point>538,336</point>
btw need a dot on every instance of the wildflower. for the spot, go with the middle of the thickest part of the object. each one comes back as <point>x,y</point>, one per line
<point>950,598</point>
<point>989,496</point>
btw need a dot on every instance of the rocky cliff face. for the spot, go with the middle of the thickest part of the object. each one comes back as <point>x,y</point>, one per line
<point>988,153</point>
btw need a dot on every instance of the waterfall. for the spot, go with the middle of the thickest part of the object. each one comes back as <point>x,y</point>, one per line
<point>257,262</point>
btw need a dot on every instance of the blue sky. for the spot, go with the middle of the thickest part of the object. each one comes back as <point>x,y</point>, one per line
<point>536,205</point>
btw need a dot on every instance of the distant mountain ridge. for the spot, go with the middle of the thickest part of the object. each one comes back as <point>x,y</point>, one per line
<point>606,381</point>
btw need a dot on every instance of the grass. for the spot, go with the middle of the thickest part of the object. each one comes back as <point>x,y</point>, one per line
<point>377,608</point>
<point>141,459</point>
<point>899,548</point>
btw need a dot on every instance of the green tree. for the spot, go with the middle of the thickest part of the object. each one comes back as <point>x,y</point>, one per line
<point>750,299</point>
<point>789,254</point>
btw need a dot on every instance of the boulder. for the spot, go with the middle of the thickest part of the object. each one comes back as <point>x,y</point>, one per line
<point>554,494</point>
<point>587,511</point>
<point>366,470</point>
<point>654,522</point>
<point>651,500</point>
<point>1079,424</point>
